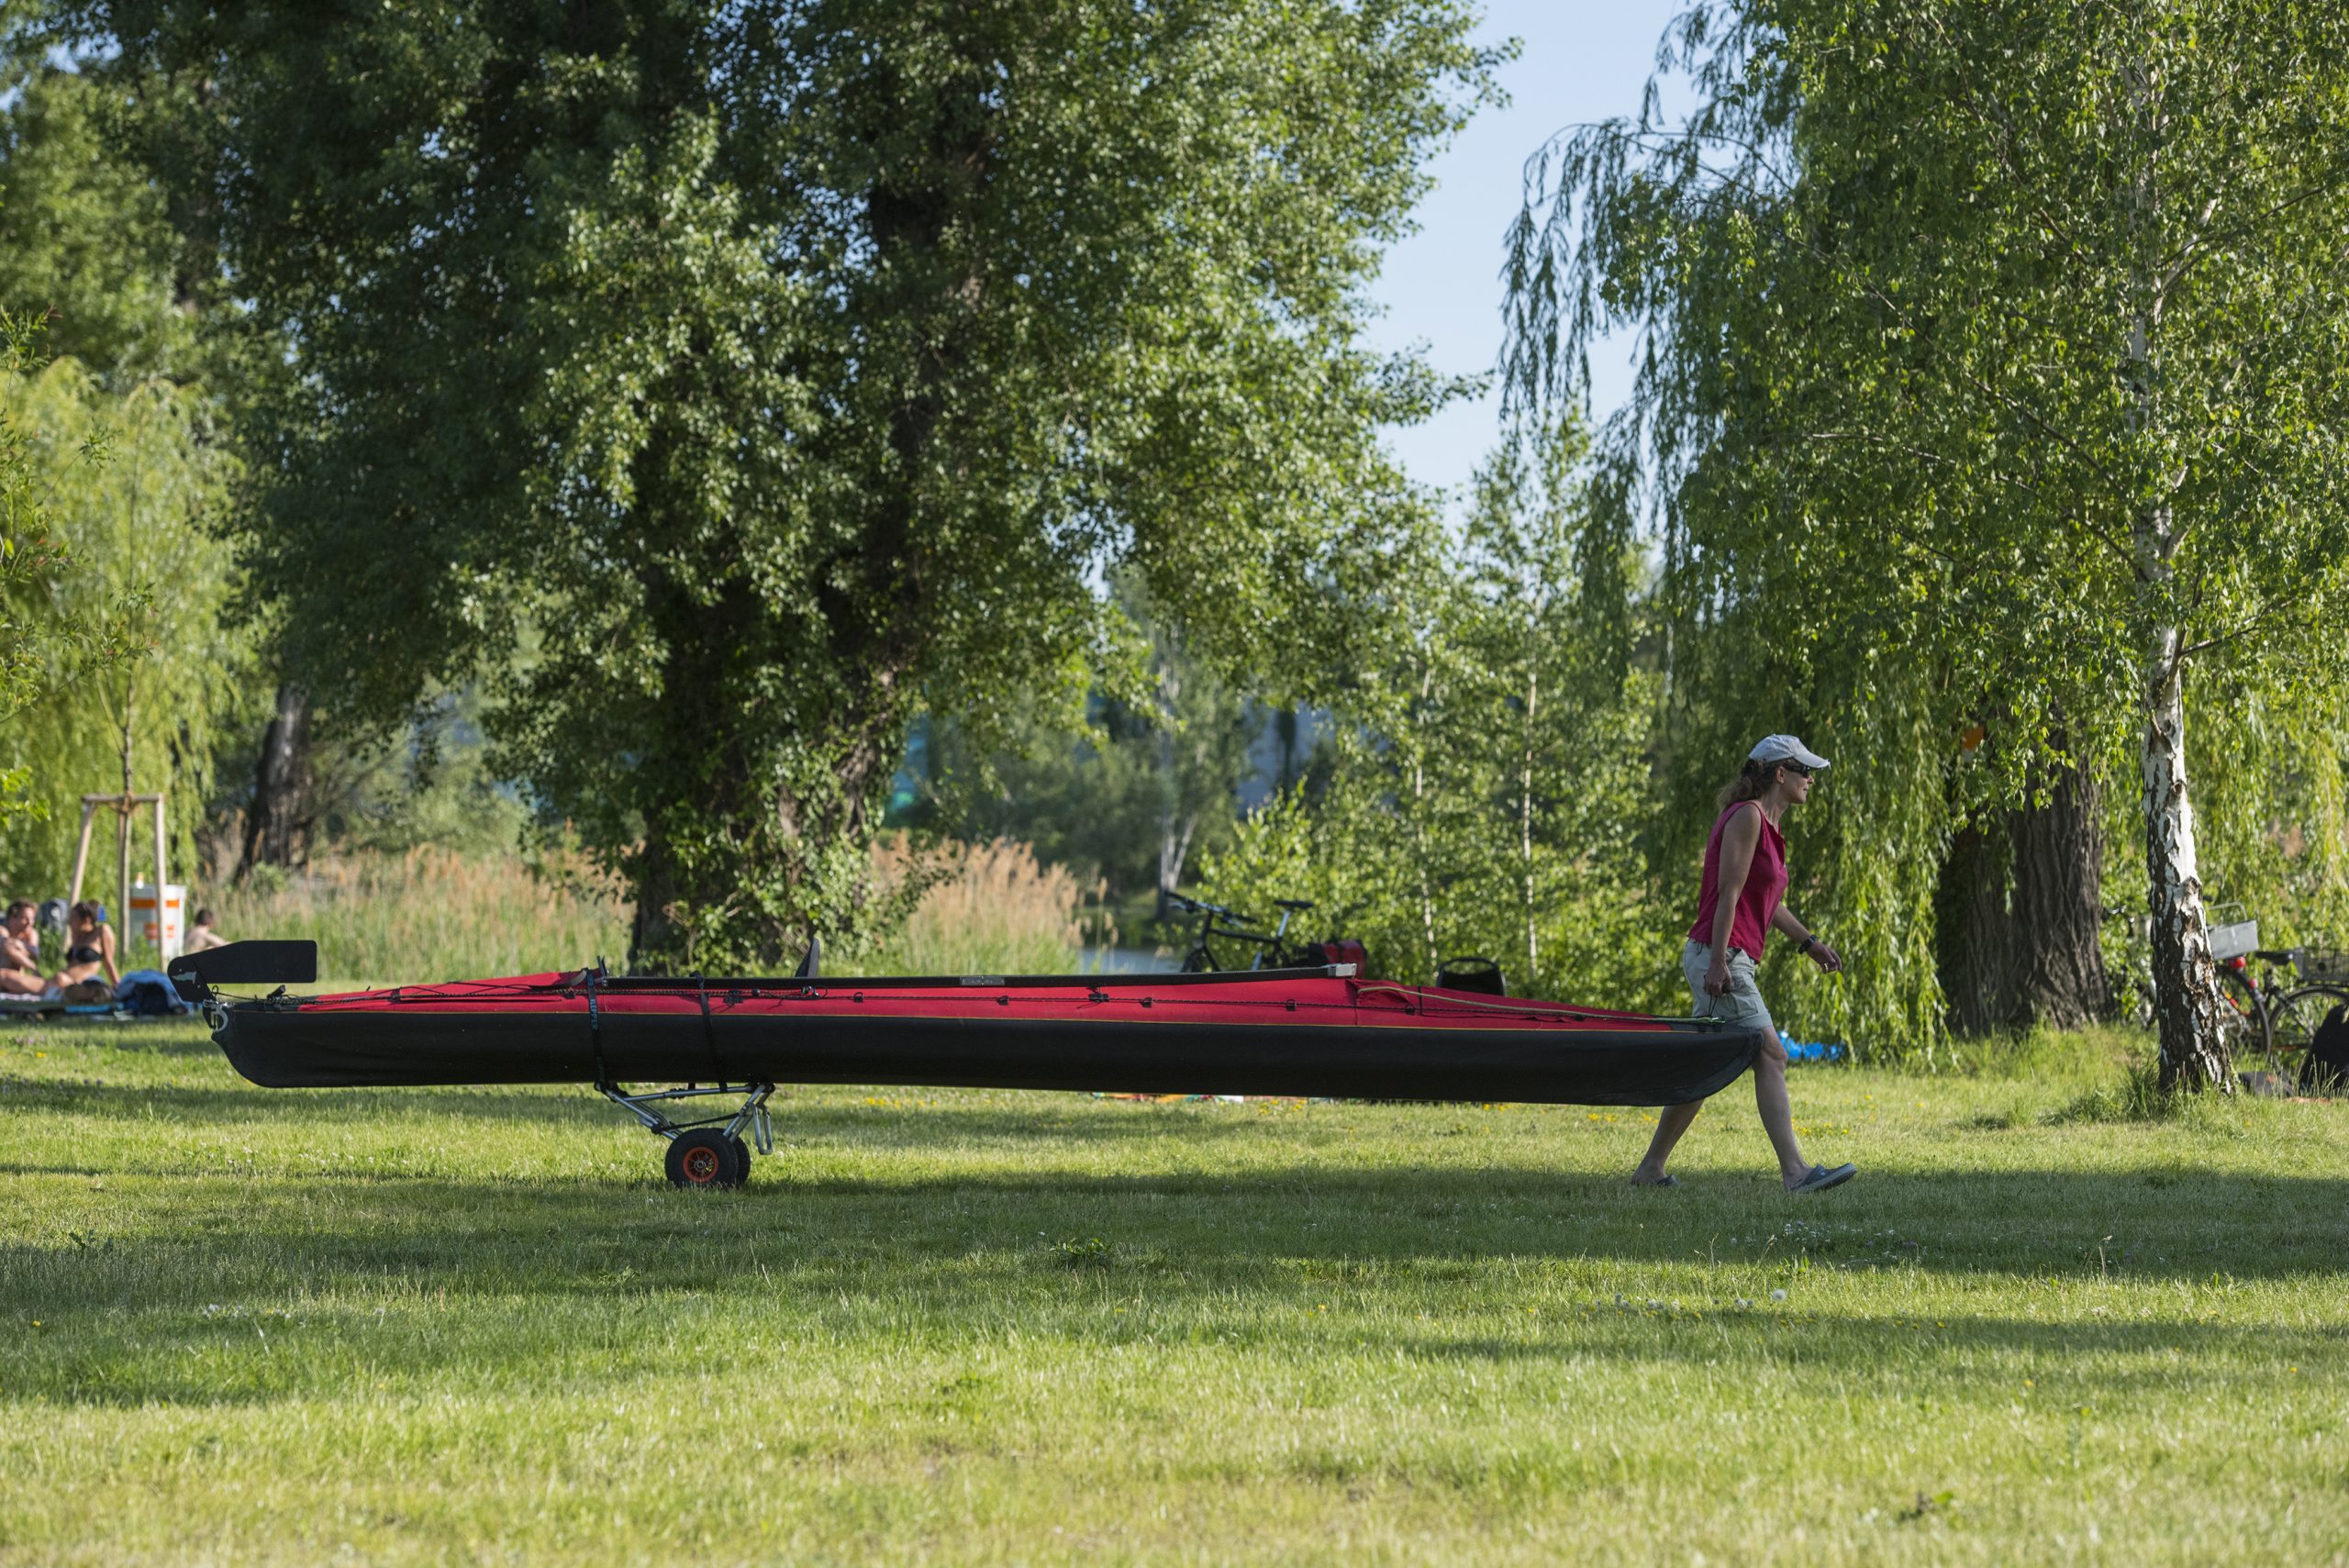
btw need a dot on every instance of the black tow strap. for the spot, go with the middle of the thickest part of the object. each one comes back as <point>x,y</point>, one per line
<point>596,1029</point>
<point>709,1031</point>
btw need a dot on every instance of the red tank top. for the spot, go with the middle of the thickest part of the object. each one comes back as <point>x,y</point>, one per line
<point>1765,885</point>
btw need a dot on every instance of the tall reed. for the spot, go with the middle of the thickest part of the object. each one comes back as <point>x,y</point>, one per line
<point>992,909</point>
<point>432,914</point>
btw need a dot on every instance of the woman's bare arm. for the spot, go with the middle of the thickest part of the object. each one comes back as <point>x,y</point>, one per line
<point>1786,926</point>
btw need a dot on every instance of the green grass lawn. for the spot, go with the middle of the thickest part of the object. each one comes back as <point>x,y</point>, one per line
<point>252,1326</point>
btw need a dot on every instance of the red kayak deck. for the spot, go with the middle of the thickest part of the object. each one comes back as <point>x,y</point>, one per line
<point>1283,1033</point>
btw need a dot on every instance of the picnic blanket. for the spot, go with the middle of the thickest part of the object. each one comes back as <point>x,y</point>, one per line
<point>142,994</point>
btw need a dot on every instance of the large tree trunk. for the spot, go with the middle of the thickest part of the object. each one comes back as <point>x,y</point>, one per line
<point>756,842</point>
<point>2185,981</point>
<point>285,808</point>
<point>2056,973</point>
<point>1974,933</point>
<point>2017,914</point>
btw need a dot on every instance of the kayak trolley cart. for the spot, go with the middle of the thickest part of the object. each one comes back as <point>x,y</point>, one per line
<point>709,1151</point>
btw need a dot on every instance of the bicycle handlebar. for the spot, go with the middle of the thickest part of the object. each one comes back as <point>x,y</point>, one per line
<point>1199,907</point>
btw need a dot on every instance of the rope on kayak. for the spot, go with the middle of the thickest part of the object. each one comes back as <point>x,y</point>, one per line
<point>1526,1010</point>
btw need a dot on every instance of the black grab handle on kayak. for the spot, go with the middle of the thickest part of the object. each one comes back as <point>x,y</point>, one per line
<point>244,964</point>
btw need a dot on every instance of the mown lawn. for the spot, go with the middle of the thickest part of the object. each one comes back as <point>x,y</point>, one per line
<point>249,1326</point>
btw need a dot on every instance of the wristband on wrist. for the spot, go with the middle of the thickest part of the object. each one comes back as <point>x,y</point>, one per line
<point>1809,943</point>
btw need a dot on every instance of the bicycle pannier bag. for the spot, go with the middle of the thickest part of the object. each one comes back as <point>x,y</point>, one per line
<point>1472,974</point>
<point>2326,1070</point>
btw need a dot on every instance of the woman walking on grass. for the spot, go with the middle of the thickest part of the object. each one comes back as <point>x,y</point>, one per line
<point>1738,905</point>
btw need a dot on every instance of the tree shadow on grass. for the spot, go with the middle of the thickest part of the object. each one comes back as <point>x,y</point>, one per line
<point>904,1116</point>
<point>186,1268</point>
<point>503,1290</point>
<point>550,1233</point>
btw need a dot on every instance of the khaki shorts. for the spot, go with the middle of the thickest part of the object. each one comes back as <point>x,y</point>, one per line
<point>1741,1003</point>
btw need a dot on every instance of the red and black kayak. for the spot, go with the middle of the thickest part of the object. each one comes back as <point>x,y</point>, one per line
<point>1321,1031</point>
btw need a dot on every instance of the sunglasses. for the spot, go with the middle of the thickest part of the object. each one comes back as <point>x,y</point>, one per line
<point>1793,767</point>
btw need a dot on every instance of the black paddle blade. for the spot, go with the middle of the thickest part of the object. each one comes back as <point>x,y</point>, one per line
<point>250,964</point>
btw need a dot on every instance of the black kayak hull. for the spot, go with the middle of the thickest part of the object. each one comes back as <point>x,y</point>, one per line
<point>292,1048</point>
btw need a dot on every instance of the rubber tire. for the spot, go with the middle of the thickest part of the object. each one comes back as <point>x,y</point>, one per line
<point>742,1153</point>
<point>704,1158</point>
<point>2297,1013</point>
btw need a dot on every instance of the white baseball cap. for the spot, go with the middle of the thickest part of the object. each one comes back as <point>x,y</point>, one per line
<point>1785,749</point>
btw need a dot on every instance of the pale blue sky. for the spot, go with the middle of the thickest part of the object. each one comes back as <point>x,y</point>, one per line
<point>1581,59</point>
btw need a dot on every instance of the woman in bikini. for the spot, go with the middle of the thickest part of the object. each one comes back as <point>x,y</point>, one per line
<point>1738,904</point>
<point>20,953</point>
<point>89,947</point>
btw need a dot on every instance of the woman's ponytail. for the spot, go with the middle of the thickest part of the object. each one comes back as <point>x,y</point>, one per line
<point>1752,782</point>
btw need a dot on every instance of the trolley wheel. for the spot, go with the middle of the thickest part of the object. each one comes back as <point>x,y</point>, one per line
<point>742,1158</point>
<point>705,1158</point>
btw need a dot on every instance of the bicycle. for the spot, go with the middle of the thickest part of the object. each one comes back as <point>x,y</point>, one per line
<point>2268,1023</point>
<point>1275,944</point>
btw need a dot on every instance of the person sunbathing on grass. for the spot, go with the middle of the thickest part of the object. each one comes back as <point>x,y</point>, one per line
<point>1738,902</point>
<point>20,953</point>
<point>89,947</point>
<point>201,937</point>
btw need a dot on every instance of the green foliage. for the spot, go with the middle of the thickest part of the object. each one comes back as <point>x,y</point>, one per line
<point>723,385</point>
<point>1131,789</point>
<point>138,527</point>
<point>1995,372</point>
<point>428,784</point>
<point>1489,774</point>
<point>59,627</point>
<point>2272,765</point>
<point>85,241</point>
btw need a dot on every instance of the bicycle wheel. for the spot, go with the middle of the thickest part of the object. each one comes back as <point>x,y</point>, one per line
<point>2243,1026</point>
<point>2293,1022</point>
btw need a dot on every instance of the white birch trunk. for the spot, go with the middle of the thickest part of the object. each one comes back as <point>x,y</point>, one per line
<point>1173,850</point>
<point>2185,981</point>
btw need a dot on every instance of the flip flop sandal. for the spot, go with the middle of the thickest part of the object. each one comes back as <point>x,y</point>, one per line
<point>1821,1178</point>
<point>1660,1181</point>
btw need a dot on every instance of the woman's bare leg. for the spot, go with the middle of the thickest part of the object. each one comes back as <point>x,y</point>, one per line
<point>1669,1125</point>
<point>1777,1114</point>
